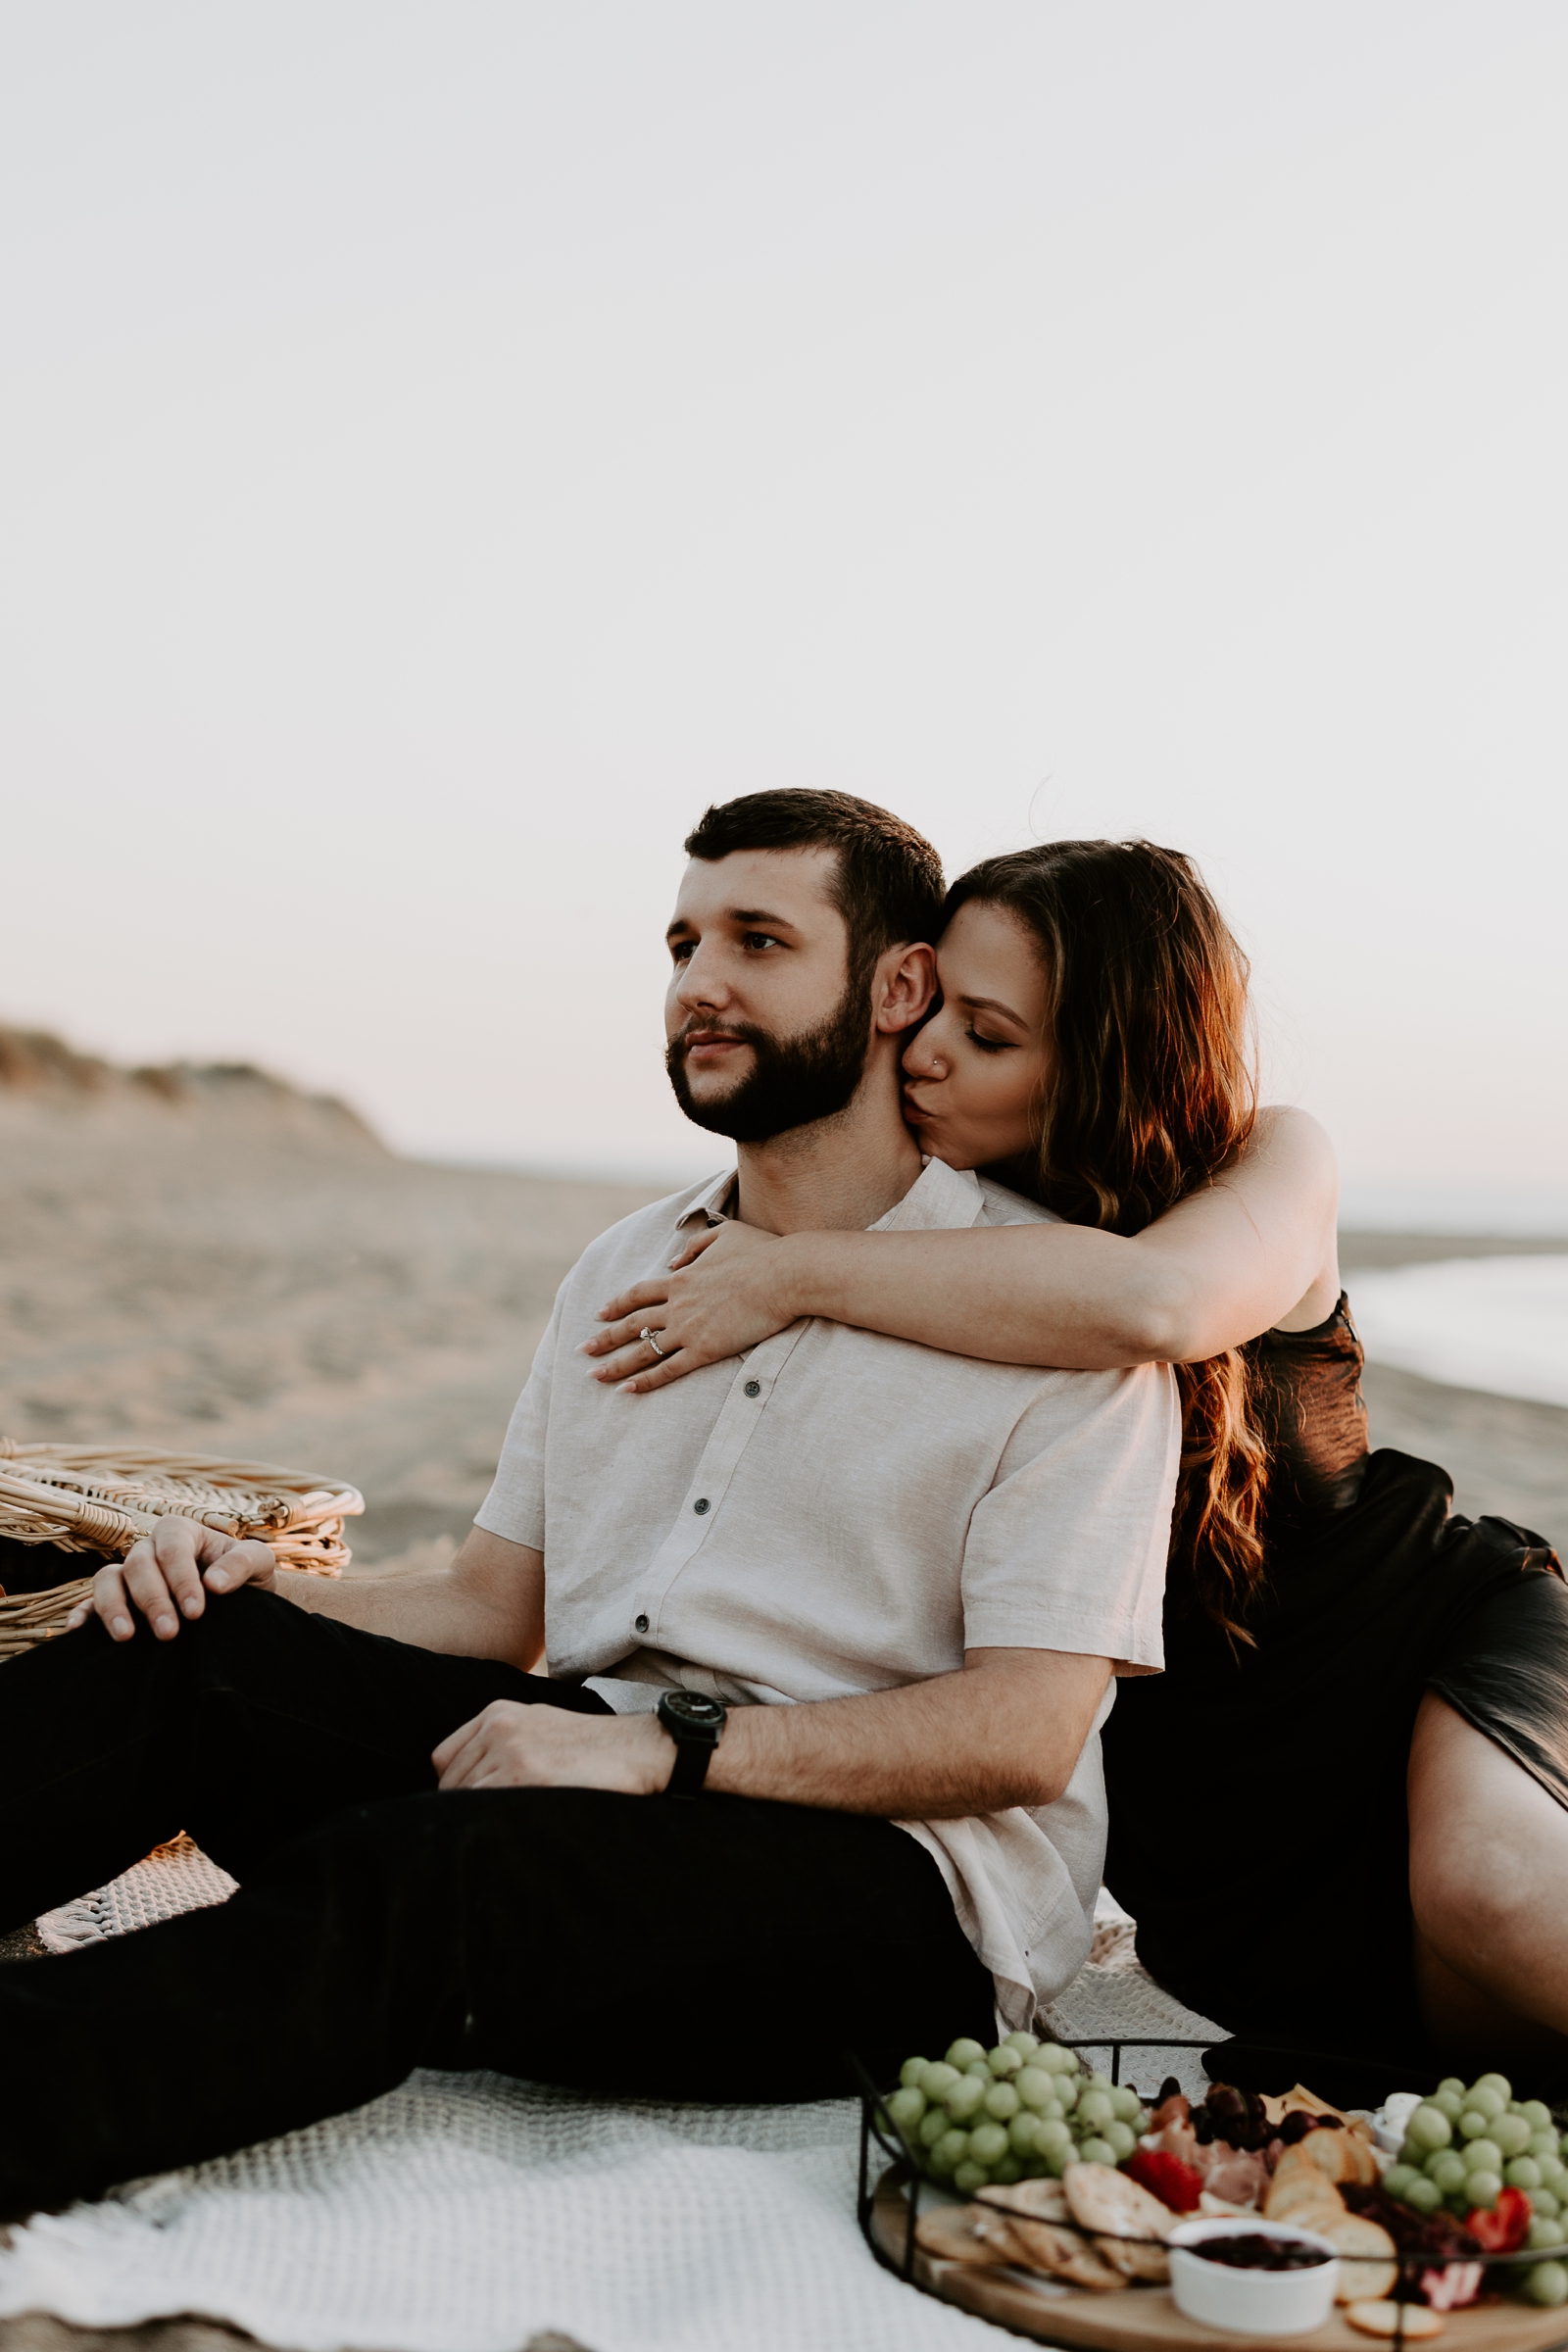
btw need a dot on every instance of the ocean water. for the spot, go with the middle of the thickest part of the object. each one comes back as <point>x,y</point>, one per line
<point>1493,1323</point>
<point>1537,1212</point>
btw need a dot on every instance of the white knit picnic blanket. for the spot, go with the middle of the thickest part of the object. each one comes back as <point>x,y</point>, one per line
<point>465,2213</point>
<point>174,1878</point>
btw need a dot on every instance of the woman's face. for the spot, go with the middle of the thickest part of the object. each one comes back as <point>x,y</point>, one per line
<point>972,1076</point>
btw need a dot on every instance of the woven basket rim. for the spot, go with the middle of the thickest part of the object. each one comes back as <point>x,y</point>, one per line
<point>98,1500</point>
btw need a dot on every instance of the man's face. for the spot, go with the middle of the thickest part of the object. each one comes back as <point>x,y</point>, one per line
<point>762,1034</point>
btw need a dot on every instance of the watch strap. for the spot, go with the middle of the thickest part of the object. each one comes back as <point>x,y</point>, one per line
<point>690,1769</point>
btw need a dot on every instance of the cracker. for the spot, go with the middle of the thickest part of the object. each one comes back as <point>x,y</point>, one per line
<point>1332,2153</point>
<point>1296,2165</point>
<point>1041,2200</point>
<point>1107,2201</point>
<point>1385,2319</point>
<point>1301,2193</point>
<point>1063,2254</point>
<point>995,2230</point>
<point>954,2233</point>
<point>1306,2205</point>
<point>1357,2233</point>
<point>1339,2156</point>
<point>1133,2262</point>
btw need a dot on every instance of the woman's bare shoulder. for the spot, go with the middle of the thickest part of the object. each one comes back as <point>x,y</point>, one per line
<point>1286,1129</point>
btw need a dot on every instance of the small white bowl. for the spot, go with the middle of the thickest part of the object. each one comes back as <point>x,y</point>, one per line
<point>1251,2302</point>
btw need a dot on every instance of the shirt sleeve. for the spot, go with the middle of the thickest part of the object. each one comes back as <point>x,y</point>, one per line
<point>514,1507</point>
<point>1067,1549</point>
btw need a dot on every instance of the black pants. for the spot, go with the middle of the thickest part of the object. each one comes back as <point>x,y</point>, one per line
<point>723,1950</point>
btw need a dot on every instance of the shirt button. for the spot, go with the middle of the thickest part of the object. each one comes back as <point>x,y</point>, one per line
<point>754,1387</point>
<point>701,1505</point>
<point>640,1624</point>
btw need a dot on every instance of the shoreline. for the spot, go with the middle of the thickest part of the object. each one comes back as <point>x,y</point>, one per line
<point>1505,1455</point>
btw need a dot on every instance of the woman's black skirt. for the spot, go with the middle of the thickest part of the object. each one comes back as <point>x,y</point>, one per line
<point>1258,1831</point>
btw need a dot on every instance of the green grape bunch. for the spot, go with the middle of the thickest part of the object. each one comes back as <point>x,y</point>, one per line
<point>1466,2143</point>
<point>1024,2109</point>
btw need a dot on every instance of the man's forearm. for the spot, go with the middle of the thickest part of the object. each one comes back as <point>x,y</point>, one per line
<point>1007,1731</point>
<point>487,1604</point>
<point>422,1610</point>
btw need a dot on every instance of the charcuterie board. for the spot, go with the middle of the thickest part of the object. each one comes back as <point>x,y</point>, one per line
<point>1145,2318</point>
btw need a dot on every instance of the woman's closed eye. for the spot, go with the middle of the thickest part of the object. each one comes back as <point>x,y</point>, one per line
<point>991,1044</point>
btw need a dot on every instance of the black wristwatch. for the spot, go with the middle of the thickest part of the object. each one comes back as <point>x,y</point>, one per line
<point>696,1725</point>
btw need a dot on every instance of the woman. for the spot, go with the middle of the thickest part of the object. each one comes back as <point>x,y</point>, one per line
<point>1335,1642</point>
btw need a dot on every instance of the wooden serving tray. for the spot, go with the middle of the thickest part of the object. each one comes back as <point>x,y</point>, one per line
<point>1145,2318</point>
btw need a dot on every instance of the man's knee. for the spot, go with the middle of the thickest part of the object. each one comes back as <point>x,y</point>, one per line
<point>243,1619</point>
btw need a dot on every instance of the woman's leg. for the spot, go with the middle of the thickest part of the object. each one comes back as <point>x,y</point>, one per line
<point>1489,1890</point>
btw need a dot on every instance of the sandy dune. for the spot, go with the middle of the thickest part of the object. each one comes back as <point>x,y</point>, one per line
<point>249,1273</point>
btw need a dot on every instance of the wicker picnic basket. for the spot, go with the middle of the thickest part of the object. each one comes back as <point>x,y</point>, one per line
<point>98,1500</point>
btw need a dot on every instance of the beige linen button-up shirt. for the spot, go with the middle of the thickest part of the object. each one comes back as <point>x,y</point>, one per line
<point>838,1513</point>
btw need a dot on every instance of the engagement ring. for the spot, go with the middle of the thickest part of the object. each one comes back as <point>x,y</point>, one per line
<point>646,1334</point>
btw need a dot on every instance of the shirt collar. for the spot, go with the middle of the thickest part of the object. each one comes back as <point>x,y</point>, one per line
<point>939,1198</point>
<point>711,1205</point>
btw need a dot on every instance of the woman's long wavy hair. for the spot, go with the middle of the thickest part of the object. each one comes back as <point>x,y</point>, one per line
<point>1149,1091</point>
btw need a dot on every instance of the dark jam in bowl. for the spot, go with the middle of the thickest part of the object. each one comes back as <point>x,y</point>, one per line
<point>1251,2250</point>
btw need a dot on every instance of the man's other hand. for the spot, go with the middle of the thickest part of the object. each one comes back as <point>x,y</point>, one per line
<point>169,1574</point>
<point>512,1746</point>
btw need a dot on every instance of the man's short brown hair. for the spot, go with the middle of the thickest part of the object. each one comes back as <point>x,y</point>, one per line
<point>888,887</point>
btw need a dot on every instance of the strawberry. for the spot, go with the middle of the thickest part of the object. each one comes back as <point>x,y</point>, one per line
<point>1504,2228</point>
<point>1166,2177</point>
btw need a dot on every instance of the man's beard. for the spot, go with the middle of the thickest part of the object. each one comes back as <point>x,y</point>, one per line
<point>793,1081</point>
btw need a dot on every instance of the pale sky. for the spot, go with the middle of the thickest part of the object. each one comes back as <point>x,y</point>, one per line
<point>445,446</point>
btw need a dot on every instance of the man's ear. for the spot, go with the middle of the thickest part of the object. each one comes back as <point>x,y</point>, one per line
<point>904,987</point>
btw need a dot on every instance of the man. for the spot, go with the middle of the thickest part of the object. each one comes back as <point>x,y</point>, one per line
<point>892,1583</point>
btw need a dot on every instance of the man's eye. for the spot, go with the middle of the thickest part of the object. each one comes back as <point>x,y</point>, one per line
<point>681,950</point>
<point>759,938</point>
<point>990,1045</point>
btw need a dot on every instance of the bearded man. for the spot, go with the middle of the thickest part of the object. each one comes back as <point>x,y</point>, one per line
<point>827,1634</point>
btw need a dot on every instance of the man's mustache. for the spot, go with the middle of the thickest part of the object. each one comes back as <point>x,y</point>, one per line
<point>740,1033</point>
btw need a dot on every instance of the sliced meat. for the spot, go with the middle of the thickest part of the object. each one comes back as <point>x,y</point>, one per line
<point>1237,2173</point>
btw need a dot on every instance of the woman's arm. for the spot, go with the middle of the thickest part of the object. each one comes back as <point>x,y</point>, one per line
<point>1254,1249</point>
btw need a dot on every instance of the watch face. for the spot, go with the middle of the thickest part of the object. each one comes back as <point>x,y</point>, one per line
<point>691,1706</point>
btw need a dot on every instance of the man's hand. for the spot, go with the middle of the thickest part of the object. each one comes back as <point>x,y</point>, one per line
<point>169,1574</point>
<point>724,1292</point>
<point>512,1746</point>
